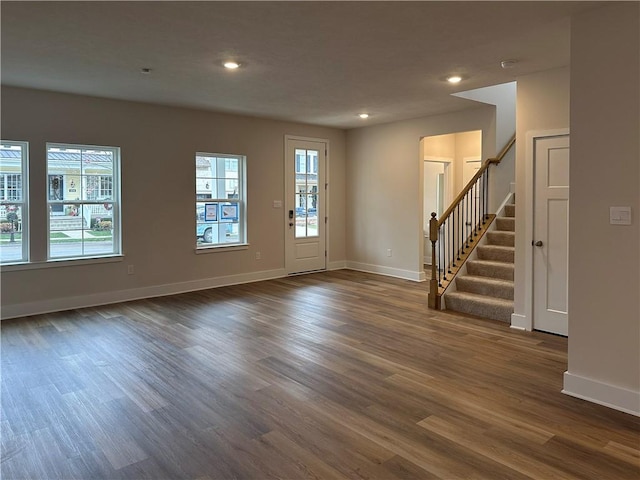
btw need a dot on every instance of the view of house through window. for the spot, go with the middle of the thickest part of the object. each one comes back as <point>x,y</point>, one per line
<point>83,200</point>
<point>306,193</point>
<point>13,202</point>
<point>220,199</point>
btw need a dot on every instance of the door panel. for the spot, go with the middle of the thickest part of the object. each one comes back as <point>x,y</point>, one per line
<point>551,235</point>
<point>305,164</point>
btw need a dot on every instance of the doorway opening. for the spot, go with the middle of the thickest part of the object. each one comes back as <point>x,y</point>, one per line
<point>449,161</point>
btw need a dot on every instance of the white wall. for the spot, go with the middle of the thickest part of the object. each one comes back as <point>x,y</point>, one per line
<point>384,188</point>
<point>458,147</point>
<point>604,262</point>
<point>504,98</point>
<point>158,146</point>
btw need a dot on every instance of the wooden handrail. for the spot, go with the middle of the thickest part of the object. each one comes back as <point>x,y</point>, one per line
<point>485,165</point>
<point>504,151</point>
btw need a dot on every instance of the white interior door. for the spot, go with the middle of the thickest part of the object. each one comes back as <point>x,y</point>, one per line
<point>470,168</point>
<point>551,235</point>
<point>437,195</point>
<point>305,190</point>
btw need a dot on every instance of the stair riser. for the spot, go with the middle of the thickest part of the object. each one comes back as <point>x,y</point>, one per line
<point>510,211</point>
<point>504,272</point>
<point>507,239</point>
<point>494,312</point>
<point>506,224</point>
<point>494,254</point>
<point>464,284</point>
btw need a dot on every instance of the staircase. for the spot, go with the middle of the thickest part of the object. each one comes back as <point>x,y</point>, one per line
<point>486,290</point>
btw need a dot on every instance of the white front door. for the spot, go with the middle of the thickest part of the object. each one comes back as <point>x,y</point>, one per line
<point>305,190</point>
<point>551,234</point>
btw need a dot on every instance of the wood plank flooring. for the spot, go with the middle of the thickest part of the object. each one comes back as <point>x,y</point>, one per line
<point>335,375</point>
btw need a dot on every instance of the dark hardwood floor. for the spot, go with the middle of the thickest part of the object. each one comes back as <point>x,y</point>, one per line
<point>330,375</point>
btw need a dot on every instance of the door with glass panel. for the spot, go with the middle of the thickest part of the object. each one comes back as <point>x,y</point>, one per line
<point>305,214</point>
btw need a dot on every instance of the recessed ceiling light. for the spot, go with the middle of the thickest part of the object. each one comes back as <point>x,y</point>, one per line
<point>231,65</point>
<point>508,63</point>
<point>145,70</point>
<point>364,115</point>
<point>454,79</point>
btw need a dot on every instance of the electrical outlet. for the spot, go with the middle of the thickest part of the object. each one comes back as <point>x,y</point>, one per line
<point>389,252</point>
<point>258,255</point>
<point>130,270</point>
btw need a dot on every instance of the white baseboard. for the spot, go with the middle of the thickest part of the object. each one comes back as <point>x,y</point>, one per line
<point>618,398</point>
<point>339,265</point>
<point>68,303</point>
<point>388,271</point>
<point>520,322</point>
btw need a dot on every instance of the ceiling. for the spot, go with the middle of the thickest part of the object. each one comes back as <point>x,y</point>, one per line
<point>313,62</point>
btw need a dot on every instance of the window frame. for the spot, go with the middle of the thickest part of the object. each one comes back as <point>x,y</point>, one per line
<point>23,203</point>
<point>240,200</point>
<point>115,201</point>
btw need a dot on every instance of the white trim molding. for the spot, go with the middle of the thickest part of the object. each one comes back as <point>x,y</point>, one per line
<point>388,271</point>
<point>519,322</point>
<point>337,265</point>
<point>611,396</point>
<point>69,303</point>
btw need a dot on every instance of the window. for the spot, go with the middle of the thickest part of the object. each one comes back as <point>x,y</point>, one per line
<point>306,164</point>
<point>14,243</point>
<point>83,197</point>
<point>99,186</point>
<point>220,200</point>
<point>306,193</point>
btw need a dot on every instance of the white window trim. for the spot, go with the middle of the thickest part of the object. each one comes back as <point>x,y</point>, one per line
<point>24,172</point>
<point>222,248</point>
<point>63,262</point>
<point>243,243</point>
<point>116,201</point>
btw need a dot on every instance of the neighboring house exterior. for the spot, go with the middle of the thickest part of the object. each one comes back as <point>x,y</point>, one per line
<point>372,207</point>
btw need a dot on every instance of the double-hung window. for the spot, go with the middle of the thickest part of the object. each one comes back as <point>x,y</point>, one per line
<point>220,200</point>
<point>14,207</point>
<point>83,196</point>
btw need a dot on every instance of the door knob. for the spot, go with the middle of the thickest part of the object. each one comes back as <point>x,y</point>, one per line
<point>538,243</point>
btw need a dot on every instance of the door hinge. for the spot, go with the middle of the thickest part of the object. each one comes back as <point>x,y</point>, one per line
<point>325,253</point>
<point>325,219</point>
<point>326,185</point>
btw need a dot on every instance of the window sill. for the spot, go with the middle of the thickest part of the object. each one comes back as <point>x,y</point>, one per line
<point>66,262</point>
<point>222,248</point>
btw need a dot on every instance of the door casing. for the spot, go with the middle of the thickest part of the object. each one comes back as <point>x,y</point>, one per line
<point>551,228</point>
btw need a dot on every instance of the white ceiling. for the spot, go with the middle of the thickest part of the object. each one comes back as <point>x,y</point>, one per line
<point>312,62</point>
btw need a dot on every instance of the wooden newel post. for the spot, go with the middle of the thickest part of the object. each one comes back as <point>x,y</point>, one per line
<point>434,298</point>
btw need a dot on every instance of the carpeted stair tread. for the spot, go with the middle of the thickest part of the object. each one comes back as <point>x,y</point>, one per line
<point>498,237</point>
<point>490,268</point>
<point>506,224</point>
<point>492,287</point>
<point>498,253</point>
<point>480,305</point>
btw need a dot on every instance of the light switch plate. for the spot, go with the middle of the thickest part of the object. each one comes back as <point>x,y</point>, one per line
<point>620,215</point>
<point>277,204</point>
